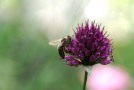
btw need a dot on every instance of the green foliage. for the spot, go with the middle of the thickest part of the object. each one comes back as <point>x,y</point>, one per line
<point>27,62</point>
<point>123,55</point>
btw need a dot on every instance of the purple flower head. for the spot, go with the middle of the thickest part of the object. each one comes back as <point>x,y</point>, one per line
<point>89,46</point>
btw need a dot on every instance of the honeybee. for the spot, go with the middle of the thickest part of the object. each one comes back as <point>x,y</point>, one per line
<point>61,45</point>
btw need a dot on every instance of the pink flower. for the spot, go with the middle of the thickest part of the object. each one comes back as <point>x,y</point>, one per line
<point>108,78</point>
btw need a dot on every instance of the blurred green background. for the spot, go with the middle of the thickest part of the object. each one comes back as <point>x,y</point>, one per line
<point>27,62</point>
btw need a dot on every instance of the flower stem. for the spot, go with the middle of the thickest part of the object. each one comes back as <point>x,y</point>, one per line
<point>85,80</point>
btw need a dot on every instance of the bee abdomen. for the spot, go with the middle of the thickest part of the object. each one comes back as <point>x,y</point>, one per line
<point>61,52</point>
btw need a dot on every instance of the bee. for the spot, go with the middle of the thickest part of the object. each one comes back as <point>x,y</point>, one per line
<point>61,45</point>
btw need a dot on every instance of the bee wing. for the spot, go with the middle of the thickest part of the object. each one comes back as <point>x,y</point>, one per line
<point>55,42</point>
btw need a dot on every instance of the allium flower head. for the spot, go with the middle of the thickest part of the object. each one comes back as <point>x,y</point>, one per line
<point>89,46</point>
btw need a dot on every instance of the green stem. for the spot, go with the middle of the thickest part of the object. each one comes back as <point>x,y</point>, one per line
<point>85,80</point>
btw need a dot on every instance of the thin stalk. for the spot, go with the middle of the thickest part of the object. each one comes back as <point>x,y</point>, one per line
<point>85,80</point>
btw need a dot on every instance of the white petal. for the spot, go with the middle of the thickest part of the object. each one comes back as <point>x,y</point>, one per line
<point>88,69</point>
